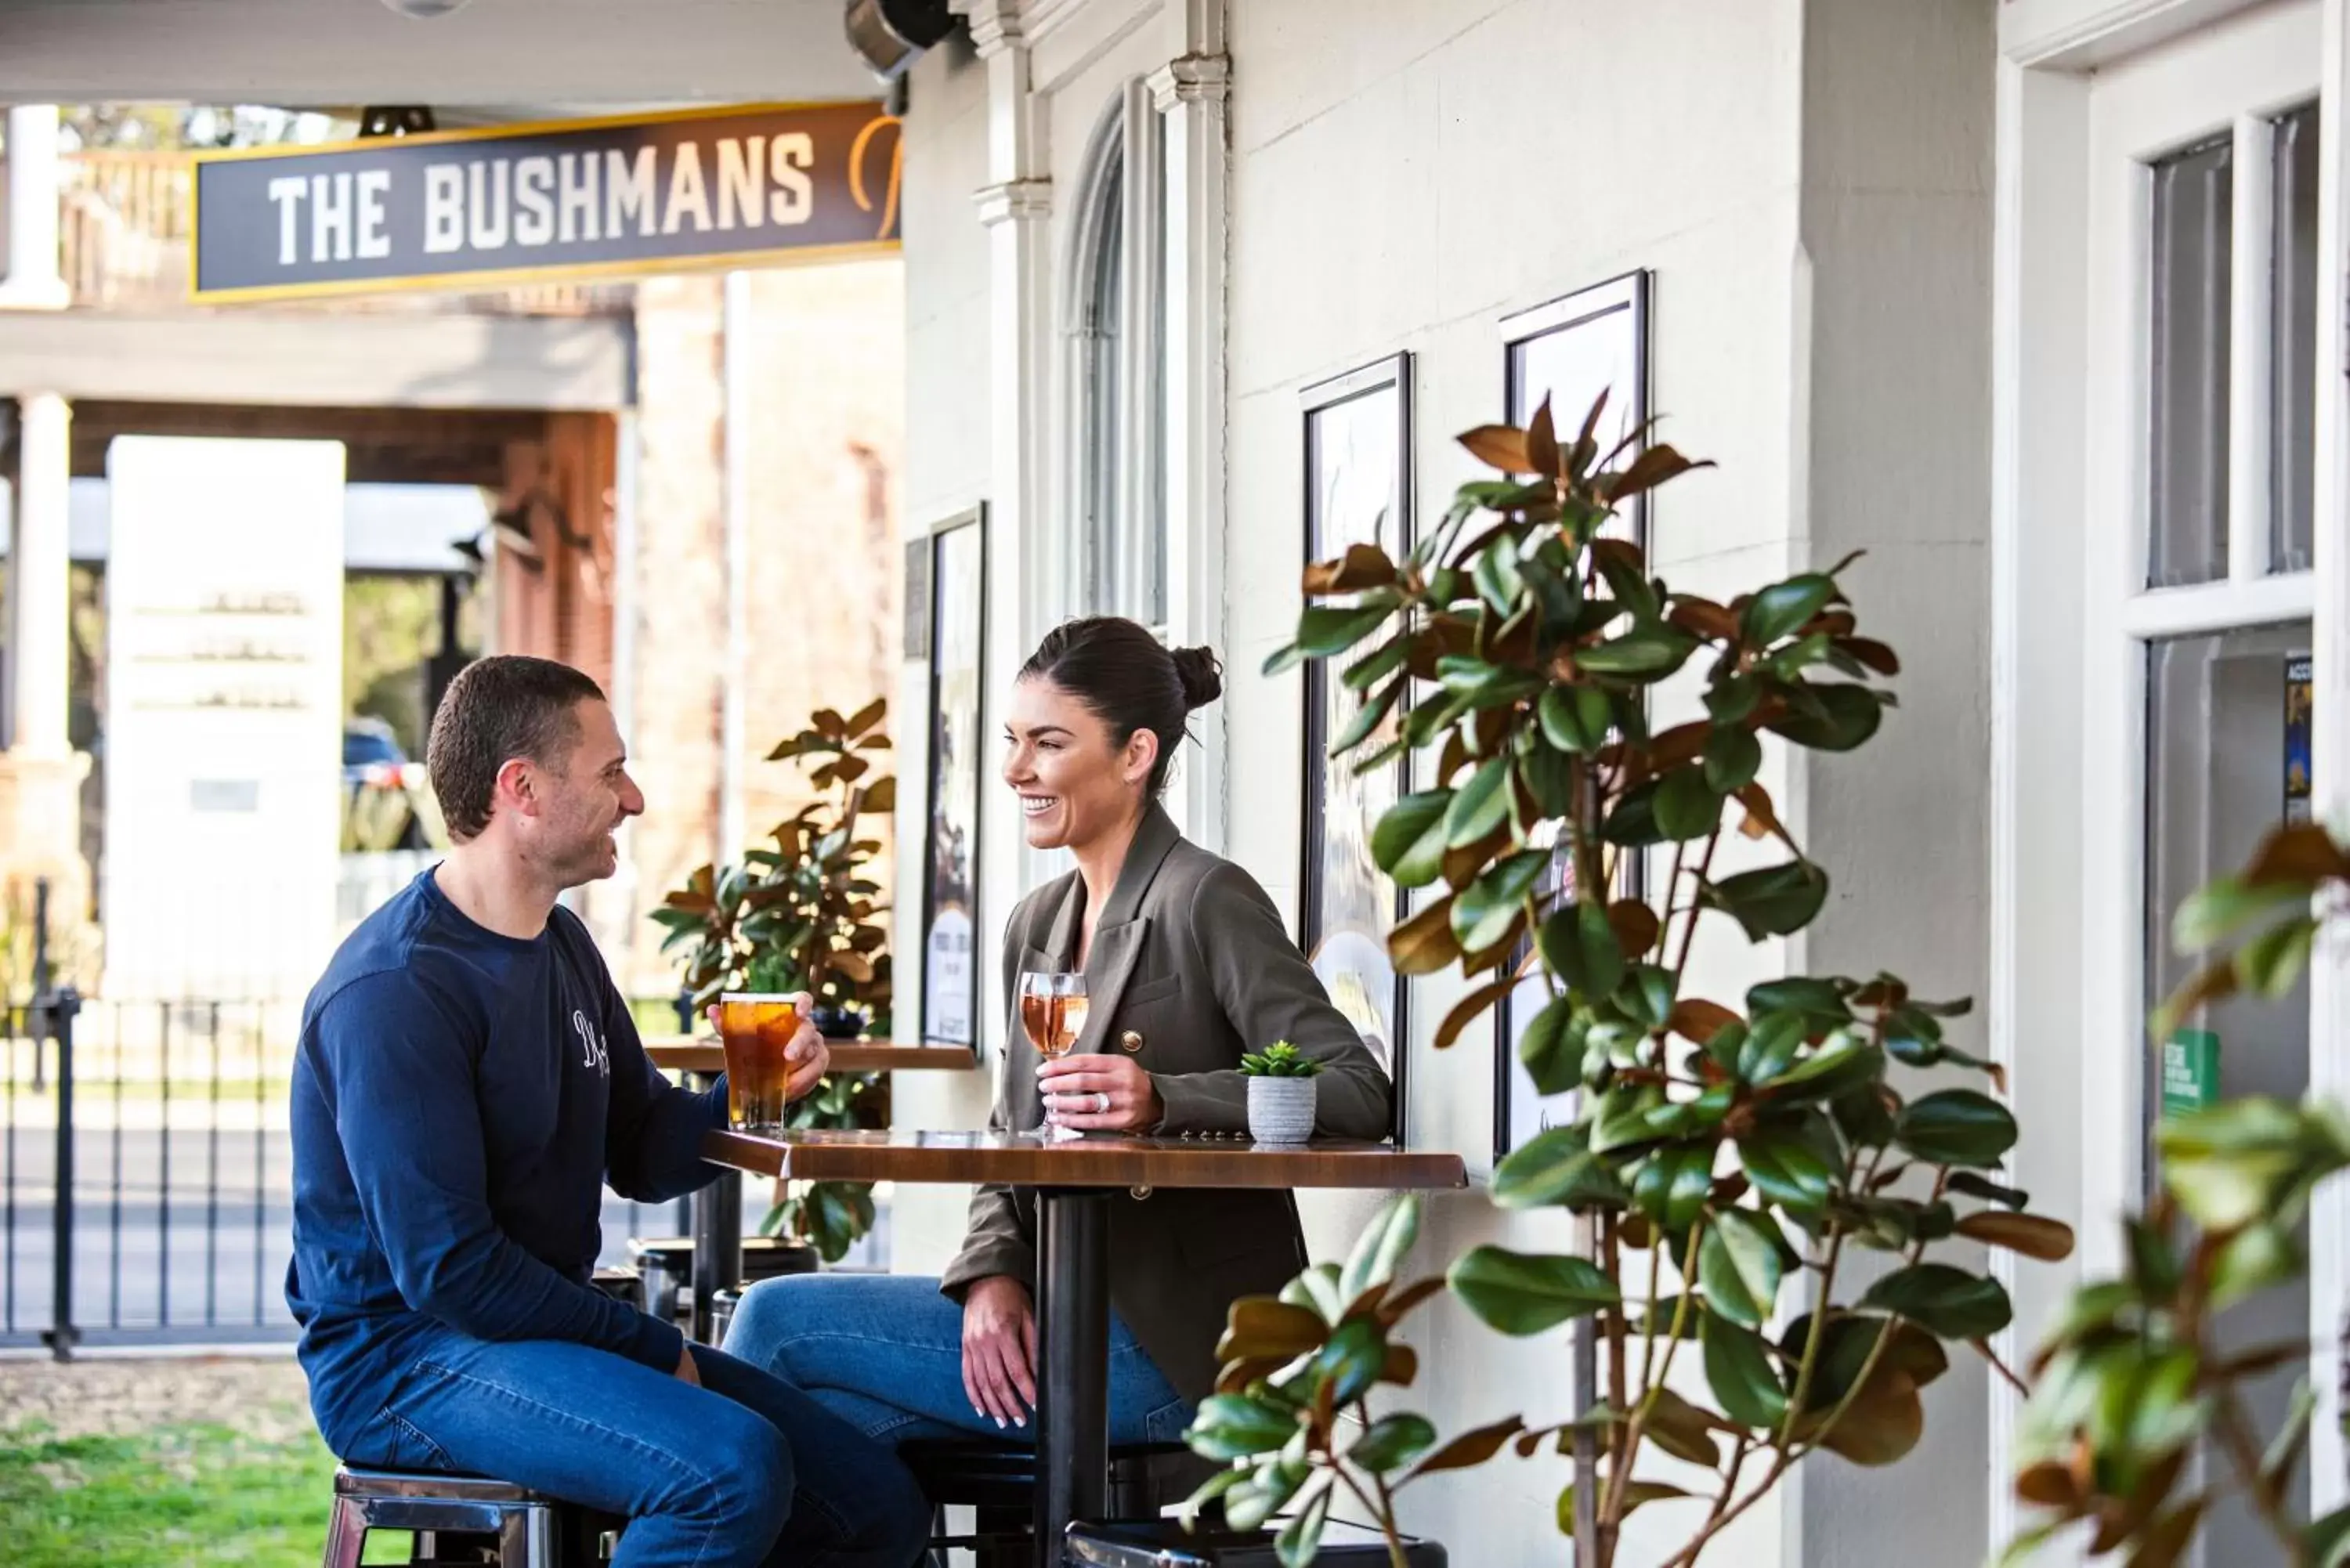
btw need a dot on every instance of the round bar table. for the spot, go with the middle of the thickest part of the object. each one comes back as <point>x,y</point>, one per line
<point>1073,1179</point>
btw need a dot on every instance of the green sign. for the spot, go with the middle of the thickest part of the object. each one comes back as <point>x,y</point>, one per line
<point>2190,1070</point>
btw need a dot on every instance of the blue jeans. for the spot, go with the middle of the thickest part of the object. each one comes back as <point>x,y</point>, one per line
<point>884,1352</point>
<point>742,1471</point>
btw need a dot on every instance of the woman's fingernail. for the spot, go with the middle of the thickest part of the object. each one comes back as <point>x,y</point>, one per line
<point>999,1423</point>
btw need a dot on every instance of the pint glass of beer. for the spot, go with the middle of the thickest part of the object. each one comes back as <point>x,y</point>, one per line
<point>756,1028</point>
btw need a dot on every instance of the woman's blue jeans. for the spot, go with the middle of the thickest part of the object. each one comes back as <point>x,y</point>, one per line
<point>884,1352</point>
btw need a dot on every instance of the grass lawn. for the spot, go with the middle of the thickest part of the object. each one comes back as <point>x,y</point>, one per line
<point>178,1495</point>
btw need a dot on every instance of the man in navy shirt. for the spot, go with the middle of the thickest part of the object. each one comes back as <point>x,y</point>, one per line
<point>468,1081</point>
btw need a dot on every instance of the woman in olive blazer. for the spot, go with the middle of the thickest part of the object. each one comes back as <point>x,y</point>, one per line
<point>1187,968</point>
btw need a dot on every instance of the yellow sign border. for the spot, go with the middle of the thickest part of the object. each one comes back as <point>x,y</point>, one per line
<point>511,277</point>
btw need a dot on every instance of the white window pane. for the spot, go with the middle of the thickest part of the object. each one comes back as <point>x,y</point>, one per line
<point>2194,195</point>
<point>2293,349</point>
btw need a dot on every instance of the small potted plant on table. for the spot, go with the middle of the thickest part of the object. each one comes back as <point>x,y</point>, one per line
<point>1280,1094</point>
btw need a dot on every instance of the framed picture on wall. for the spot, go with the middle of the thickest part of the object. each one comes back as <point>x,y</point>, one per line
<point>958,628</point>
<point>1357,445</point>
<point>1569,351</point>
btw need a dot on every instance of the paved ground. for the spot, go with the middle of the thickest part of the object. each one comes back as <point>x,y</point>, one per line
<point>264,1395</point>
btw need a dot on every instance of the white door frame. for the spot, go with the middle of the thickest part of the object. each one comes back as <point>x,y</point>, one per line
<point>2068,568</point>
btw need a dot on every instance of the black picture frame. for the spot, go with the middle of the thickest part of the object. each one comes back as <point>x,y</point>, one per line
<point>956,646</point>
<point>1345,905</point>
<point>1565,349</point>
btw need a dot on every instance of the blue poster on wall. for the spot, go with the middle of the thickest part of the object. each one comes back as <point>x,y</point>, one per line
<point>2296,737</point>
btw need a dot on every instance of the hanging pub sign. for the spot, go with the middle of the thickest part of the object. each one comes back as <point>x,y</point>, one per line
<point>744,186</point>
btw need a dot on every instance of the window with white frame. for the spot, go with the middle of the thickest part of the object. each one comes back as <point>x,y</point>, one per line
<point>1115,311</point>
<point>2202,364</point>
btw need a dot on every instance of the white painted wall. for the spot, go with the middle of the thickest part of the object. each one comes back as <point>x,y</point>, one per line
<point>1405,173</point>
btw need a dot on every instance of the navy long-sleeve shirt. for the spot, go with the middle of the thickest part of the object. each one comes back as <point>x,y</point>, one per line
<point>459,1099</point>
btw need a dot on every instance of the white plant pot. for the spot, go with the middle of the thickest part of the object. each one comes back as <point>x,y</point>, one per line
<point>1281,1110</point>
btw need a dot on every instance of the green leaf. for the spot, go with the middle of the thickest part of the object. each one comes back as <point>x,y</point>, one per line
<point>1316,1289</point>
<point>2271,964</point>
<point>1946,1302</point>
<point>1351,1361</point>
<point>1955,1127</point>
<point>1844,1063</point>
<point>1785,1170</point>
<point>1380,1247</point>
<point>1392,1442</point>
<point>1300,1541</point>
<point>1525,1293</point>
<point>1236,1427</point>
<point>1687,806</point>
<point>1732,757</point>
<point>1326,631</point>
<point>1738,1263</point>
<point>1369,715</point>
<point>1482,913</point>
<point>1552,1047</point>
<point>1646,653</point>
<point>1580,946</point>
<point>1557,1167</point>
<point>1732,699</point>
<point>1781,608</point>
<point>1496,575</point>
<point>1774,902</point>
<point>1408,842</point>
<point>2329,1539</point>
<point>1847,716</point>
<point>1739,1370</point>
<point>1817,1000</point>
<point>1575,718</point>
<point>1771,1044</point>
<point>1480,806</point>
<point>2227,904</point>
<point>1365,673</point>
<point>1671,1185</point>
<point>1646,995</point>
<point>1632,820</point>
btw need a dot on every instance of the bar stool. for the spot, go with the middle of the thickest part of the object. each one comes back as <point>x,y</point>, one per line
<point>998,1482</point>
<point>1164,1543</point>
<point>516,1527</point>
<point>666,1263</point>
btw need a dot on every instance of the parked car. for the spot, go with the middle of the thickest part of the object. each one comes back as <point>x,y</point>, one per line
<point>384,794</point>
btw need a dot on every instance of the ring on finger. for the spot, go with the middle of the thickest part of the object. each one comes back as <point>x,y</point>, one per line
<point>1101,1102</point>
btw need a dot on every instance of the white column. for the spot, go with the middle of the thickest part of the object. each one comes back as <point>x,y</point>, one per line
<point>1189,90</point>
<point>39,579</point>
<point>34,282</point>
<point>733,696</point>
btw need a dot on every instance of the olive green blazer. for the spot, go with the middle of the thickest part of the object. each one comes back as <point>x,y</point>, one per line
<point>1190,969</point>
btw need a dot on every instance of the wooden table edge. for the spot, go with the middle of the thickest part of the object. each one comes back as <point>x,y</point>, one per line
<point>1208,1163</point>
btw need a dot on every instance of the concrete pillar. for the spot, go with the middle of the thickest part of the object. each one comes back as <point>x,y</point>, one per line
<point>40,773</point>
<point>40,582</point>
<point>34,282</point>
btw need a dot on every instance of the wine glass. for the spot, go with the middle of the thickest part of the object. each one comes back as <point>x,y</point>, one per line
<point>1053,1013</point>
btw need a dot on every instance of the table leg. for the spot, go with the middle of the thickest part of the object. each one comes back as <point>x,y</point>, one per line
<point>1073,1345</point>
<point>717,1246</point>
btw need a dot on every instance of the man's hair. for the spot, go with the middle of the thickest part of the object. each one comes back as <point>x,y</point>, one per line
<point>496,710</point>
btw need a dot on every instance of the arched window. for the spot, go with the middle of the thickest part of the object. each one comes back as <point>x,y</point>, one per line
<point>1115,292</point>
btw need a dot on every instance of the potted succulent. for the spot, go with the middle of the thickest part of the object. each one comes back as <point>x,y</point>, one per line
<point>1280,1092</point>
<point>801,913</point>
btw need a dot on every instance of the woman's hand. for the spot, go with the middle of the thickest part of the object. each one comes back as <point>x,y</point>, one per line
<point>999,1350</point>
<point>809,1057</point>
<point>1099,1094</point>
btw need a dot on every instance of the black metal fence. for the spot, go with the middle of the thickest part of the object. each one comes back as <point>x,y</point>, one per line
<point>146,1193</point>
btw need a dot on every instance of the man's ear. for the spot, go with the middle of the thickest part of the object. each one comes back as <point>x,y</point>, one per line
<point>516,787</point>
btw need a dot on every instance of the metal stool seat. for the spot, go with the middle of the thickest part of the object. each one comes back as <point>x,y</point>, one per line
<point>666,1263</point>
<point>1164,1543</point>
<point>998,1482</point>
<point>517,1527</point>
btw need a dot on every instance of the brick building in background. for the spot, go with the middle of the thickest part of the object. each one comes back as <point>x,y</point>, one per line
<point>825,419</point>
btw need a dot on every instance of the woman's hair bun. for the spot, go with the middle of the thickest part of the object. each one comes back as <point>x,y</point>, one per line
<point>1201,675</point>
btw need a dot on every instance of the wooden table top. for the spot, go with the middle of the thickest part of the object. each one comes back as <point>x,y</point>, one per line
<point>684,1053</point>
<point>1113,1160</point>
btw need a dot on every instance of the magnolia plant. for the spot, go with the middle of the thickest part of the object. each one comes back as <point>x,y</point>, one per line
<point>1728,1157</point>
<point>2134,1378</point>
<point>802,915</point>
